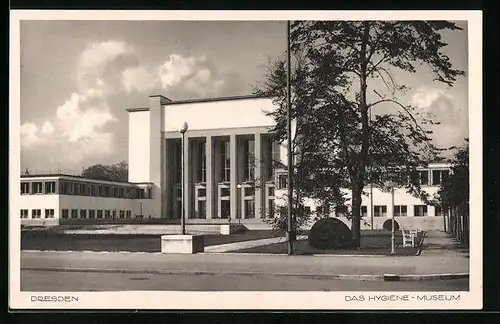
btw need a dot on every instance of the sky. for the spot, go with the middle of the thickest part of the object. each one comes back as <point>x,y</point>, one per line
<point>78,77</point>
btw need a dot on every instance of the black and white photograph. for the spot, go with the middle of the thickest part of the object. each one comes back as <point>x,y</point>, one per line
<point>235,160</point>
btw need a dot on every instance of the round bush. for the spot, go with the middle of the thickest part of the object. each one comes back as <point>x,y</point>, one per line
<point>388,225</point>
<point>330,233</point>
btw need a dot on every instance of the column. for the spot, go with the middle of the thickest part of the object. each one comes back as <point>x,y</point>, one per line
<point>187,178</point>
<point>259,183</point>
<point>234,176</point>
<point>210,176</point>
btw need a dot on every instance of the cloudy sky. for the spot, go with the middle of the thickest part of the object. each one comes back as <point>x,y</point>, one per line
<point>77,79</point>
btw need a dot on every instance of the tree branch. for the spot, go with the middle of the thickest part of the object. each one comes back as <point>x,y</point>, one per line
<point>400,105</point>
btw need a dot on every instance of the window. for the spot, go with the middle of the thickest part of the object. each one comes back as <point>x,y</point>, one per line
<point>364,211</point>
<point>323,210</point>
<point>150,195</point>
<point>249,160</point>
<point>202,210</point>
<point>122,214</point>
<point>400,210</point>
<point>24,213</point>
<point>83,213</point>
<point>36,213</point>
<point>202,192</point>
<point>273,157</point>
<point>99,213</point>
<point>89,189</point>
<point>226,161</point>
<point>49,213</point>
<point>271,192</point>
<point>225,208</point>
<point>91,213</point>
<point>271,208</point>
<point>224,192</point>
<point>50,187</point>
<point>380,211</point>
<point>64,188</point>
<point>128,214</point>
<point>178,161</point>
<point>438,211</point>
<point>282,181</point>
<point>25,188</point>
<point>74,213</point>
<point>340,211</point>
<point>201,169</point>
<point>107,214</point>
<point>65,213</point>
<point>249,209</point>
<point>420,210</point>
<point>249,191</point>
<point>423,177</point>
<point>36,187</point>
<point>114,214</point>
<point>438,176</point>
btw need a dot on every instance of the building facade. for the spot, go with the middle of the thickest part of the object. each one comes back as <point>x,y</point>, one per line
<point>48,200</point>
<point>234,172</point>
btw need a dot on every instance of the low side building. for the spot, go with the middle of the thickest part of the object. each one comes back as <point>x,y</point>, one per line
<point>47,200</point>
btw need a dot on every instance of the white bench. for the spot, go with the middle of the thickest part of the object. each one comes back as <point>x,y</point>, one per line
<point>409,237</point>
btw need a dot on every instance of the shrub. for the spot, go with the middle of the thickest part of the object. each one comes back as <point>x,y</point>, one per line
<point>388,225</point>
<point>279,223</point>
<point>330,233</point>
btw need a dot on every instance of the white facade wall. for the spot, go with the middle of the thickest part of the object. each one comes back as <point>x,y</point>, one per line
<point>235,113</point>
<point>139,146</point>
<point>39,201</point>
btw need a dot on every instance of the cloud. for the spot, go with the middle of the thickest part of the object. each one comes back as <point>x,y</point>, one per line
<point>178,75</point>
<point>443,108</point>
<point>109,76</point>
<point>194,74</point>
<point>77,131</point>
<point>138,79</point>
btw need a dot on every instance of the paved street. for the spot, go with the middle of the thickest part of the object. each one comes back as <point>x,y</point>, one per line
<point>94,281</point>
<point>244,263</point>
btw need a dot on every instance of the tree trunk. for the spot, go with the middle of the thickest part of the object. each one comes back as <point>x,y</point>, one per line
<point>358,173</point>
<point>356,216</point>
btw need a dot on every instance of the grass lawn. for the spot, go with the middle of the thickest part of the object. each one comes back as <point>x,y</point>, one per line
<point>377,242</point>
<point>51,240</point>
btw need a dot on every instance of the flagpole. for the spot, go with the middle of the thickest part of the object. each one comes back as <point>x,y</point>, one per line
<point>289,146</point>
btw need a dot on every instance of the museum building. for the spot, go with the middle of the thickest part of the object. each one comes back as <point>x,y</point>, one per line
<point>234,172</point>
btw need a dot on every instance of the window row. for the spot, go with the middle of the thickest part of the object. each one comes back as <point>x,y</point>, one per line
<point>271,156</point>
<point>96,213</point>
<point>400,211</point>
<point>84,189</point>
<point>423,177</point>
<point>37,213</point>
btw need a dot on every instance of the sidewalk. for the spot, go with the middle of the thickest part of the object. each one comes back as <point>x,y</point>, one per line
<point>246,244</point>
<point>438,257</point>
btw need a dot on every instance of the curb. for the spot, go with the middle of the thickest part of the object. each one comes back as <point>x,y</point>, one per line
<point>380,277</point>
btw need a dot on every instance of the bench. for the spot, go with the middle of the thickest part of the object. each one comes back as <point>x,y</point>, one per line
<point>409,237</point>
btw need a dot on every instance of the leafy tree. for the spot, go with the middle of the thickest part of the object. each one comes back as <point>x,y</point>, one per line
<point>454,190</point>
<point>340,67</point>
<point>453,194</point>
<point>113,172</point>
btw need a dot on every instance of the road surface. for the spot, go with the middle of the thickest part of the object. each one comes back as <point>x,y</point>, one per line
<point>36,280</point>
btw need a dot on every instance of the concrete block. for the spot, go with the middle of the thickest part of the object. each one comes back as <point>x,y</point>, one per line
<point>182,244</point>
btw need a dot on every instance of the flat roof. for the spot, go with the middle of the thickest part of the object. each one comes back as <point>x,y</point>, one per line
<point>59,175</point>
<point>201,100</point>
